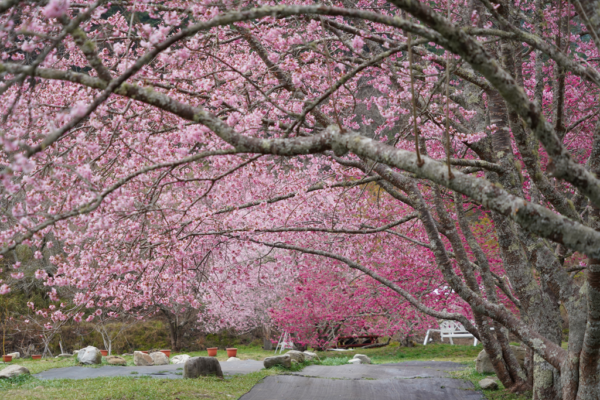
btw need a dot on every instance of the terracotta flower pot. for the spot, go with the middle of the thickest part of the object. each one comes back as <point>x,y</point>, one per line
<point>104,352</point>
<point>145,352</point>
<point>36,357</point>
<point>212,351</point>
<point>166,352</point>
<point>7,358</point>
<point>231,352</point>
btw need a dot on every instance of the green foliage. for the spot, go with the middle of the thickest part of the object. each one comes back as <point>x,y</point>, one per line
<point>24,253</point>
<point>143,335</point>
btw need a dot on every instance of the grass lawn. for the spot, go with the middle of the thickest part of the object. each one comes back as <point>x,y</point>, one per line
<point>29,387</point>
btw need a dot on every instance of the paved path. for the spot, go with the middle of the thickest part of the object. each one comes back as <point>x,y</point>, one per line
<point>173,371</point>
<point>415,380</point>
<point>291,387</point>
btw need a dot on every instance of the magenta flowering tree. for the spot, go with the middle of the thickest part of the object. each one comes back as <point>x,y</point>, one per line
<point>383,137</point>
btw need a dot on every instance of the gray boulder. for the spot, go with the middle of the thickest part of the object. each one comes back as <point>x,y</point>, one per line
<point>520,353</point>
<point>159,358</point>
<point>180,359</point>
<point>142,359</point>
<point>14,355</point>
<point>116,360</point>
<point>308,356</point>
<point>488,384</point>
<point>201,366</point>
<point>363,358</point>
<point>296,355</point>
<point>284,360</point>
<point>12,371</point>
<point>89,356</point>
<point>483,364</point>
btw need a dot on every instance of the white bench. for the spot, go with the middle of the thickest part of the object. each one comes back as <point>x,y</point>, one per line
<point>451,329</point>
<point>285,343</point>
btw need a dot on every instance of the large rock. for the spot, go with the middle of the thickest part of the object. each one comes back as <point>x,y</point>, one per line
<point>116,360</point>
<point>488,384</point>
<point>142,359</point>
<point>180,359</point>
<point>483,364</point>
<point>159,358</point>
<point>296,355</point>
<point>363,358</point>
<point>90,355</point>
<point>12,371</point>
<point>520,353</point>
<point>284,360</point>
<point>308,356</point>
<point>14,355</point>
<point>201,366</point>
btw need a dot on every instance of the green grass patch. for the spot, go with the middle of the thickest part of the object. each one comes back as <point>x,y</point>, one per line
<point>335,360</point>
<point>394,353</point>
<point>146,388</point>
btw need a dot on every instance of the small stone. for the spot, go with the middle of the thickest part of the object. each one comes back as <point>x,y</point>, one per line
<point>142,359</point>
<point>159,358</point>
<point>202,366</point>
<point>363,358</point>
<point>14,355</point>
<point>296,355</point>
<point>488,384</point>
<point>180,359</point>
<point>90,355</point>
<point>308,356</point>
<point>64,355</point>
<point>232,359</point>
<point>12,371</point>
<point>284,360</point>
<point>355,361</point>
<point>116,360</point>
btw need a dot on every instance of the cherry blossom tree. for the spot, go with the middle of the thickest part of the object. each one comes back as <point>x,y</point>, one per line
<point>386,138</point>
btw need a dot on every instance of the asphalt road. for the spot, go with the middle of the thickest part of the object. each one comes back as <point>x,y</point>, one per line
<point>289,387</point>
<point>413,380</point>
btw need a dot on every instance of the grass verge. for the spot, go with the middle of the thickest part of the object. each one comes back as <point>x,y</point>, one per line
<point>146,388</point>
<point>471,374</point>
